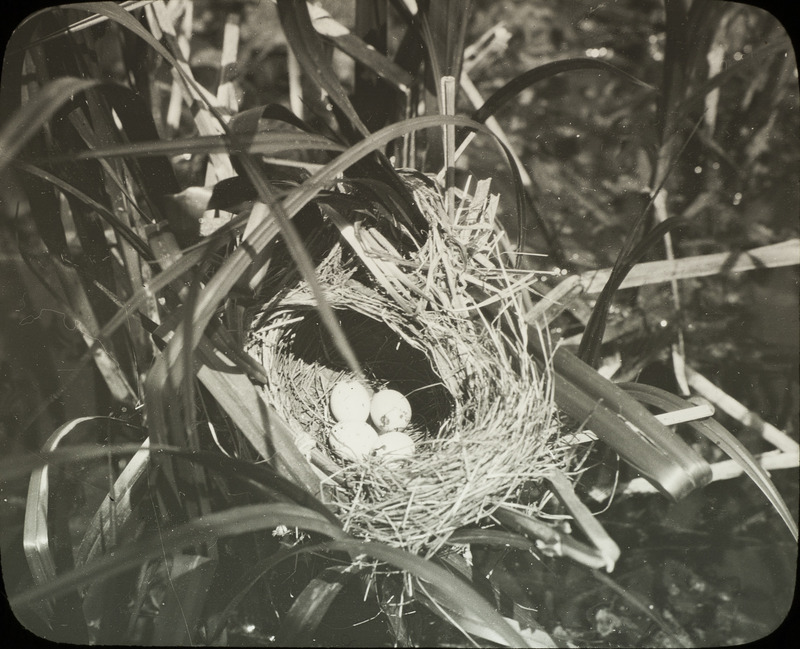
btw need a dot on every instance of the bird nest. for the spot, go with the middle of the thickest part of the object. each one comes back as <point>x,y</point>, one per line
<point>484,419</point>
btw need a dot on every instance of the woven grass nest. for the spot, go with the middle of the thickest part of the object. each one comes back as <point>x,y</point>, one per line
<point>484,421</point>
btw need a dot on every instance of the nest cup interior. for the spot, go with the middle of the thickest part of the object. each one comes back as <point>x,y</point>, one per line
<point>387,360</point>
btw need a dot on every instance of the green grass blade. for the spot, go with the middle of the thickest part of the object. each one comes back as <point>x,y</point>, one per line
<point>719,435</point>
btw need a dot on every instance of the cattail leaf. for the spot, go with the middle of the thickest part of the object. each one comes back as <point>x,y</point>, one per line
<point>343,39</point>
<point>719,435</point>
<point>444,29</point>
<point>36,533</point>
<point>259,422</point>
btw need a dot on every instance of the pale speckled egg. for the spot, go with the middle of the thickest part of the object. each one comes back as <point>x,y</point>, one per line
<point>394,445</point>
<point>352,440</point>
<point>350,401</point>
<point>389,410</point>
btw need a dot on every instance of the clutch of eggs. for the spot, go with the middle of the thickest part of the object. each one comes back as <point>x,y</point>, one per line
<point>352,440</point>
<point>350,401</point>
<point>389,411</point>
<point>394,445</point>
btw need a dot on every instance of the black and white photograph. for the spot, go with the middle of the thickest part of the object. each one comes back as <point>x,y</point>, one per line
<point>400,323</point>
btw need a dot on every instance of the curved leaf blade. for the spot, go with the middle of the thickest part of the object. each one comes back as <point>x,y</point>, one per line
<point>205,529</point>
<point>624,424</point>
<point>719,435</point>
<point>27,121</point>
<point>307,47</point>
<point>519,83</point>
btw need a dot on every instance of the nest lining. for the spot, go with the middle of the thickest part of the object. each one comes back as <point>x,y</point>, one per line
<point>484,419</point>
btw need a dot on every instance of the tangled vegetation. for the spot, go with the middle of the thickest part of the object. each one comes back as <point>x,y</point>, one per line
<point>561,231</point>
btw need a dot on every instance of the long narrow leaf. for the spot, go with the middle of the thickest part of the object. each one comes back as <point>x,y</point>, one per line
<point>786,253</point>
<point>257,572</point>
<point>589,349</point>
<point>307,47</point>
<point>519,83</point>
<point>239,261</point>
<point>719,435</point>
<point>120,227</point>
<point>27,121</point>
<point>255,143</point>
<point>36,535</point>
<point>343,39</point>
<point>453,592</point>
<point>206,529</point>
<point>627,426</point>
<point>262,426</point>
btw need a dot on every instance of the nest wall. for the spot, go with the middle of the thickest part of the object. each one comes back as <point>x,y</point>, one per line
<point>484,421</point>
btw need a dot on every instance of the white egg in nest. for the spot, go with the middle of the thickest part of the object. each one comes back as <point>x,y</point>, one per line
<point>352,440</point>
<point>392,446</point>
<point>389,410</point>
<point>350,401</point>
